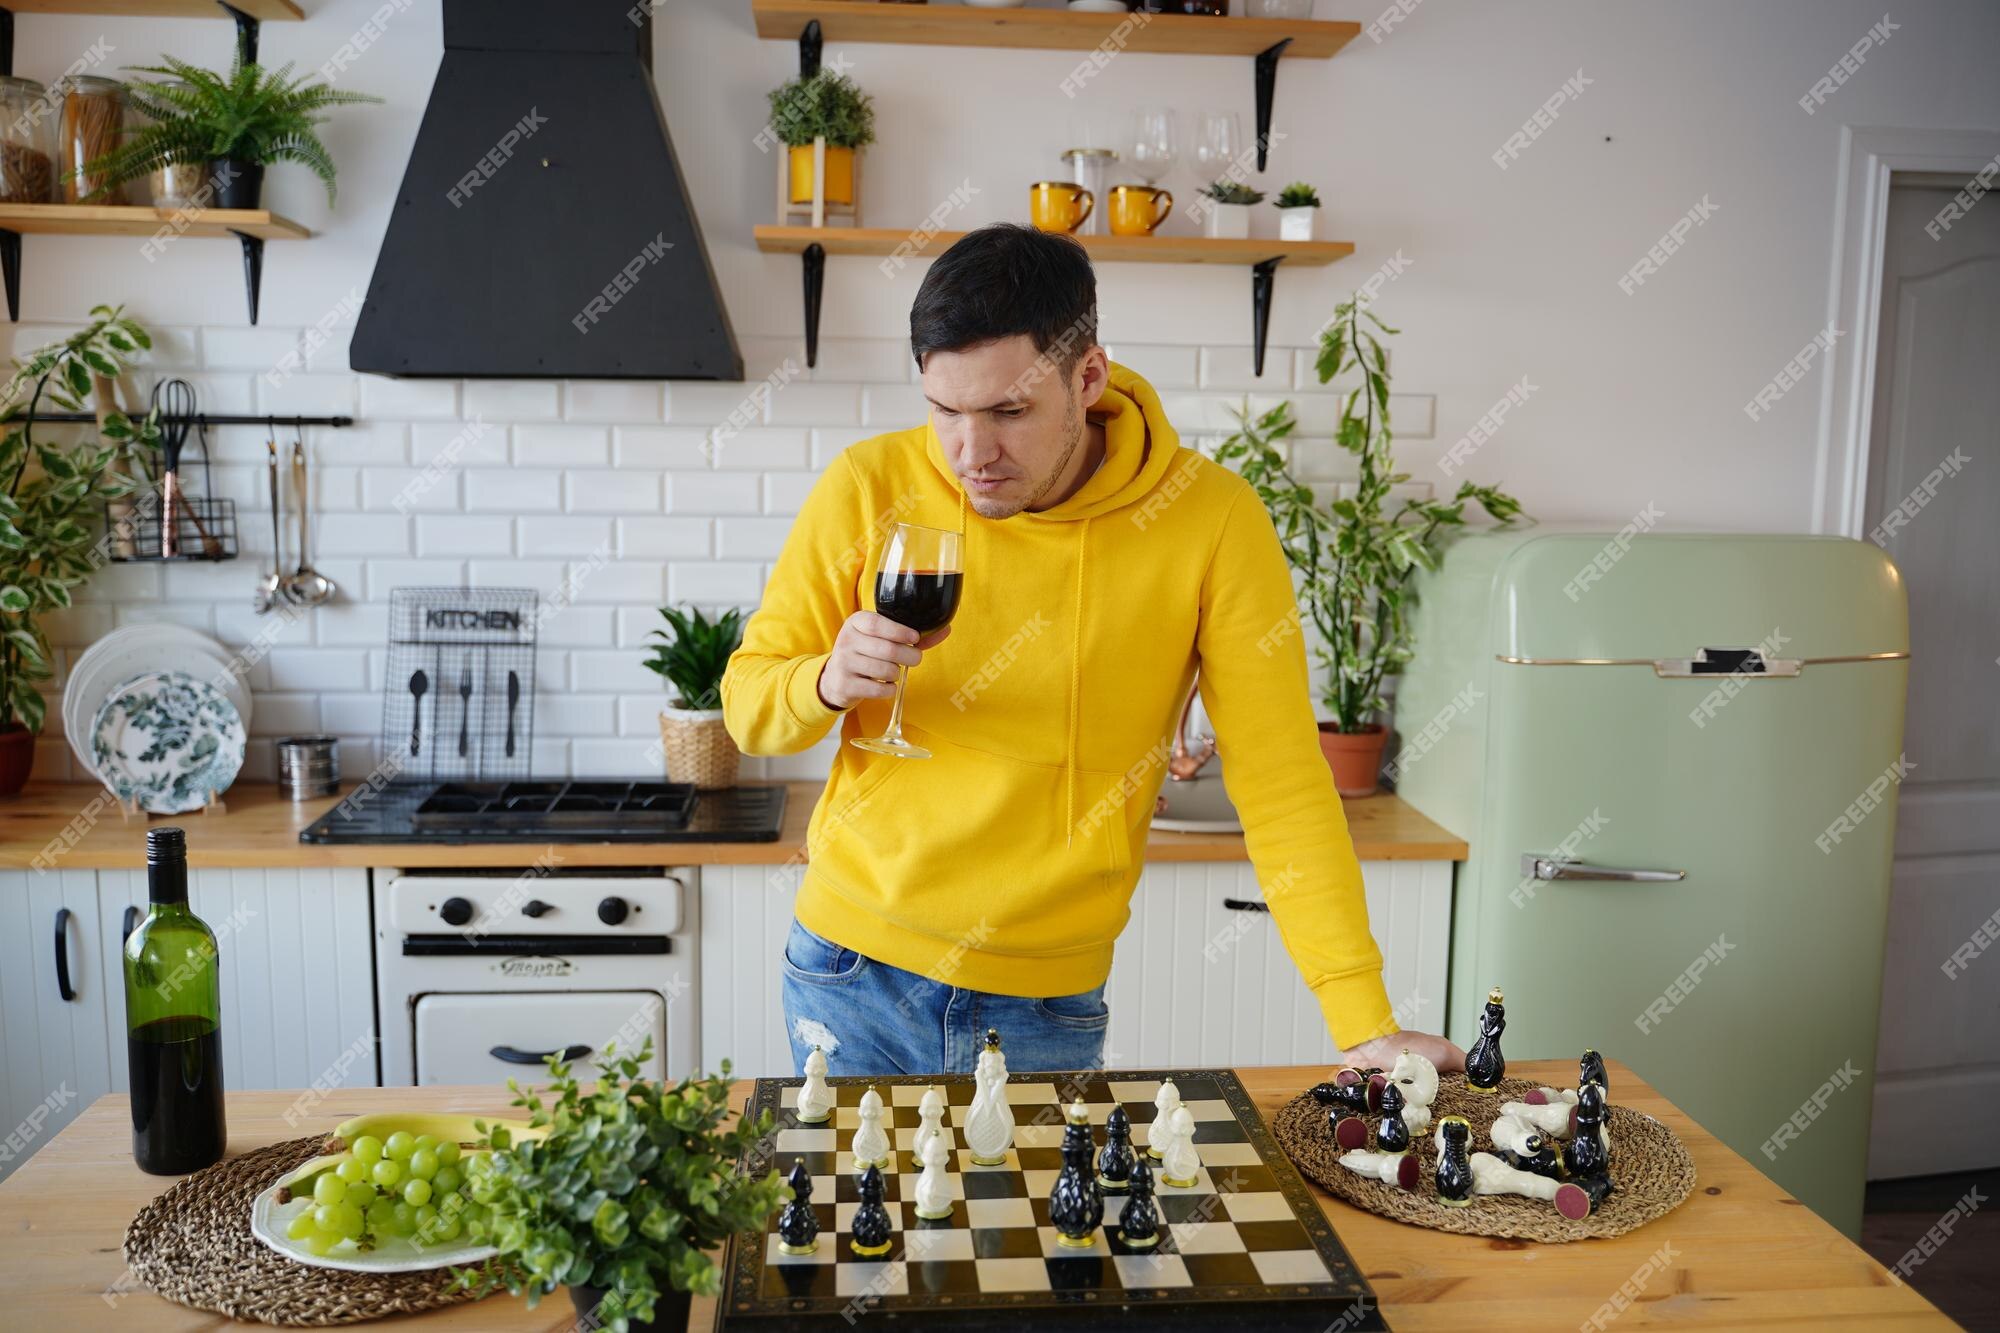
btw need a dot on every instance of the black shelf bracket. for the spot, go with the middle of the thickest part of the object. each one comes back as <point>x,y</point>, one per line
<point>246,36</point>
<point>253,268</point>
<point>6,42</point>
<point>811,42</point>
<point>1267,87</point>
<point>10,261</point>
<point>814,260</point>
<point>1262,278</point>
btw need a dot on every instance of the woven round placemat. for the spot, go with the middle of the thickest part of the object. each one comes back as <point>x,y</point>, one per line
<point>193,1246</point>
<point>1650,1169</point>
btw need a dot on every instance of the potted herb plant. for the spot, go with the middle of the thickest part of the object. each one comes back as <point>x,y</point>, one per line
<point>691,655</point>
<point>1298,208</point>
<point>826,112</point>
<point>236,124</point>
<point>1354,553</point>
<point>1228,205</point>
<point>622,1200</point>
<point>50,497</point>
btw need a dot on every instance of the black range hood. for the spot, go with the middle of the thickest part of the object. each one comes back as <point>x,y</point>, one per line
<point>543,229</point>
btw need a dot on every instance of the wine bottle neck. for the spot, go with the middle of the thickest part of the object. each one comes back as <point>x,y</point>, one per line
<point>167,883</point>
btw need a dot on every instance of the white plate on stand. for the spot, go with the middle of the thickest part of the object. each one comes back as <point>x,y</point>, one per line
<point>133,651</point>
<point>168,742</point>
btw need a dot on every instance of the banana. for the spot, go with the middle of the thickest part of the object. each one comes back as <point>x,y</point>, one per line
<point>453,1128</point>
<point>305,1173</point>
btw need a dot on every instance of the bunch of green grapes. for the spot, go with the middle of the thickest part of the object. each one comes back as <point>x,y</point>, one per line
<point>405,1186</point>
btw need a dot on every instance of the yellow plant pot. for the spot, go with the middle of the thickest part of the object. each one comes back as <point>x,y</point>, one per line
<point>839,175</point>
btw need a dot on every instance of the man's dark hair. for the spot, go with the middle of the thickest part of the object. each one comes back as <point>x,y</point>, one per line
<point>1004,280</point>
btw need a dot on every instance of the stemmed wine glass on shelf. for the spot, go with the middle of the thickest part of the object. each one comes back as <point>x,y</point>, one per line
<point>917,584</point>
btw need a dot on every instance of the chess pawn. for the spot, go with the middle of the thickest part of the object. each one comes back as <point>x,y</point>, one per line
<point>798,1224</point>
<point>1139,1219</point>
<point>1590,1069</point>
<point>868,1233</point>
<point>1588,1153</point>
<point>1347,1098</point>
<point>816,1097</point>
<point>930,1111</point>
<point>1391,1168</point>
<point>1484,1065</point>
<point>1418,1078</point>
<point>1075,1206</point>
<point>989,1123</point>
<point>1392,1135</point>
<point>1165,1098</point>
<point>1454,1168</point>
<point>1349,1130</point>
<point>871,1142</point>
<point>1490,1175</point>
<point>1181,1165</point>
<point>1524,1149</point>
<point>1114,1164</point>
<point>1555,1120</point>
<point>934,1186</point>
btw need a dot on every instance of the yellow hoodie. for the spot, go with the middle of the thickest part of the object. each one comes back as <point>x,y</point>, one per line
<point>1006,863</point>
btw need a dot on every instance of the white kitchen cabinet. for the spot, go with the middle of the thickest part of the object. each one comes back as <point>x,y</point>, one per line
<point>56,1055</point>
<point>1193,981</point>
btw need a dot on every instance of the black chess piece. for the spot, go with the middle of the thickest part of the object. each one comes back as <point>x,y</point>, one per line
<point>1585,1153</point>
<point>798,1224</point>
<point>1391,1134</point>
<point>1139,1220</point>
<point>1075,1206</point>
<point>1596,1188</point>
<point>1114,1164</point>
<point>1590,1069</point>
<point>1349,1130</point>
<point>868,1234</point>
<point>1484,1065</point>
<point>1454,1168</point>
<point>1544,1161</point>
<point>1347,1098</point>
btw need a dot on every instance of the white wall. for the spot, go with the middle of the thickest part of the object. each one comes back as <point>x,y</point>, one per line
<point>1512,273</point>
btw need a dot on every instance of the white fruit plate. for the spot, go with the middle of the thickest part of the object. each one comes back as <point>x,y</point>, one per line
<point>395,1254</point>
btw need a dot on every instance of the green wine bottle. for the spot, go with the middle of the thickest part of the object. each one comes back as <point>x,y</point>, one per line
<point>173,1022</point>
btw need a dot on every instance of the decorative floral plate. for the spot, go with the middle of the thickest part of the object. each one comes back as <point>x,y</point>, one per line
<point>168,741</point>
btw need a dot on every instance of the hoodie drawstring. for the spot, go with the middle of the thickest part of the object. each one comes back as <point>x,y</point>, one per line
<point>1075,687</point>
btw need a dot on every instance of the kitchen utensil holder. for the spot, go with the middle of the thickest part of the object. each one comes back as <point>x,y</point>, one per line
<point>476,637</point>
<point>205,523</point>
<point>308,767</point>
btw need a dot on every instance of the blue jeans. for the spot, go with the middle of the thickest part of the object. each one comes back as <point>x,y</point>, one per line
<point>873,1020</point>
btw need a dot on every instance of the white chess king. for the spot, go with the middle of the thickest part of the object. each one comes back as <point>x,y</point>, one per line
<point>989,1123</point>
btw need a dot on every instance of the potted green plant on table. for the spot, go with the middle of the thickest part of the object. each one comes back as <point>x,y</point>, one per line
<point>235,124</point>
<point>1298,210</point>
<point>51,498</point>
<point>635,1182</point>
<point>691,655</point>
<point>1355,552</point>
<point>824,120</point>
<point>1227,206</point>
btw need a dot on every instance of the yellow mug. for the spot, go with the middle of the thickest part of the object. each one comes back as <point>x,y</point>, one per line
<point>1059,205</point>
<point>1136,210</point>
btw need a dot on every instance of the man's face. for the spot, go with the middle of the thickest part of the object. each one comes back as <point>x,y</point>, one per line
<point>1010,421</point>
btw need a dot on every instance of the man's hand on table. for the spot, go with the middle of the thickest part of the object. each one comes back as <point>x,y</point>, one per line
<point>1381,1052</point>
<point>865,656</point>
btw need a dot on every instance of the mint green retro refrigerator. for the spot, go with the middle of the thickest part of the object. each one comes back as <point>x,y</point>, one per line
<point>1675,760</point>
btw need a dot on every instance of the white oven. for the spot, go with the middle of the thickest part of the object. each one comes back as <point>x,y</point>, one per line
<point>481,973</point>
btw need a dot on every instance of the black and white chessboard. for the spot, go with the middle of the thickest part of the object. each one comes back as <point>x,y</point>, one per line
<point>1246,1247</point>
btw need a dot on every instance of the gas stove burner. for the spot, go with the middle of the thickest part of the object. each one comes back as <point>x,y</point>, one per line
<point>557,806</point>
<point>583,811</point>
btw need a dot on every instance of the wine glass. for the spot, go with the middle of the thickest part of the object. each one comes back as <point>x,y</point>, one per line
<point>917,584</point>
<point>1219,144</point>
<point>1155,143</point>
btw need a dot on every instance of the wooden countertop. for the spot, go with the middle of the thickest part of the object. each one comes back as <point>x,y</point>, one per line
<point>78,827</point>
<point>1738,1254</point>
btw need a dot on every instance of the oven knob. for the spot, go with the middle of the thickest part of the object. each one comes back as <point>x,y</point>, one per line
<point>611,911</point>
<point>456,911</point>
<point>536,908</point>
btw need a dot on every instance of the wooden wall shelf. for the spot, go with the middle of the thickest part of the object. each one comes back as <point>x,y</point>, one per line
<point>1048,29</point>
<point>266,11</point>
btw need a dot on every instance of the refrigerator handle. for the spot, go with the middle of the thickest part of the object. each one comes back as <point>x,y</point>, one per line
<point>1555,867</point>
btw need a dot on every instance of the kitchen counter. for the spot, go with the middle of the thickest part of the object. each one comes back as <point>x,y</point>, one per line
<point>1738,1254</point>
<point>80,828</point>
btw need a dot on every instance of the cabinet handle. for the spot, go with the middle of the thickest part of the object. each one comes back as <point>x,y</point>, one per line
<point>1556,867</point>
<point>1245,905</point>
<point>67,991</point>
<point>131,922</point>
<point>569,1054</point>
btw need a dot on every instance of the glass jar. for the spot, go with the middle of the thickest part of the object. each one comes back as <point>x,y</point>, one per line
<point>27,143</point>
<point>93,114</point>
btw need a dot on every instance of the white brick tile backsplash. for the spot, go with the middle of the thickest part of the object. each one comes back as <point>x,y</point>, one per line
<point>396,490</point>
<point>692,403</point>
<point>351,715</point>
<point>446,447</point>
<point>363,624</point>
<point>621,492</point>
<point>315,669</point>
<point>363,534</point>
<point>802,404</point>
<point>786,492</point>
<point>715,584</point>
<point>606,672</point>
<point>713,493</point>
<point>1232,368</point>
<point>307,395</point>
<point>285,715</point>
<point>544,576</point>
<point>607,758</point>
<point>384,576</point>
<point>458,536</point>
<point>522,491</point>
<point>751,538</point>
<point>562,446</point>
<point>613,400</point>
<point>1165,367</point>
<point>552,538</point>
<point>887,407</point>
<point>844,360</point>
<point>664,538</point>
<point>258,349</point>
<point>757,450</point>
<point>576,714</point>
<point>512,400</point>
<point>620,581</point>
<point>826,444</point>
<point>364,443</point>
<point>660,447</point>
<point>333,488</point>
<point>580,627</point>
<point>224,395</point>
<point>383,397</point>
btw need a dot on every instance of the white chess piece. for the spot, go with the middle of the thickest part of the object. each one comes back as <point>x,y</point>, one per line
<point>1165,1098</point>
<point>871,1142</point>
<point>934,1186</point>
<point>1181,1165</point>
<point>931,1111</point>
<point>816,1098</point>
<point>1416,1078</point>
<point>1551,1120</point>
<point>1391,1168</point>
<point>989,1124</point>
<point>1516,1136</point>
<point>1550,1096</point>
<point>1491,1175</point>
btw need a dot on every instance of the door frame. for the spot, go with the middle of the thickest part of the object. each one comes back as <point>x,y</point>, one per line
<point>1868,154</point>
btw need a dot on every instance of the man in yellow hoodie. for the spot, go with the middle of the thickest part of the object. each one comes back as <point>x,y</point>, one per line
<point>1104,565</point>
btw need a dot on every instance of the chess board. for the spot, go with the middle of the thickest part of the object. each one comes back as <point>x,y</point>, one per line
<point>1246,1247</point>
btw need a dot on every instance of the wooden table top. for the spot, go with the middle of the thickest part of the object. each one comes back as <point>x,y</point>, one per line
<point>76,826</point>
<point>1738,1254</point>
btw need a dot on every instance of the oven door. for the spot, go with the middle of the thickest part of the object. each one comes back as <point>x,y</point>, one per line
<point>486,1037</point>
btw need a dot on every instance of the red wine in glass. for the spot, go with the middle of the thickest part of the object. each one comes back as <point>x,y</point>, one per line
<point>917,584</point>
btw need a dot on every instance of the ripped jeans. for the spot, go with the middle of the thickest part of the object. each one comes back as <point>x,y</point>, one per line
<point>874,1020</point>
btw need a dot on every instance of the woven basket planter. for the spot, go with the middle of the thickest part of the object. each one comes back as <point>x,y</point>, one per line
<point>698,747</point>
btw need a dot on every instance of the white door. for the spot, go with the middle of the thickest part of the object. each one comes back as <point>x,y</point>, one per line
<point>57,1054</point>
<point>1934,491</point>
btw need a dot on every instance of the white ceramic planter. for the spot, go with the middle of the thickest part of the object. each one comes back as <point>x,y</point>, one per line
<point>1228,221</point>
<point>1296,224</point>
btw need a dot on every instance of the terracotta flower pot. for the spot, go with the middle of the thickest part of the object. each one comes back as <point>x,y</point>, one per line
<point>17,757</point>
<point>1354,756</point>
<point>699,748</point>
